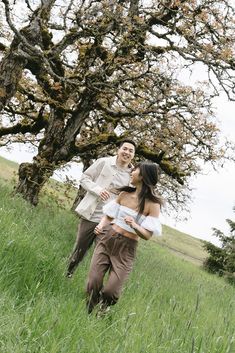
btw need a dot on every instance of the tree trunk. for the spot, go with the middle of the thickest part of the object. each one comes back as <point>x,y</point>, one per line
<point>11,68</point>
<point>55,149</point>
<point>51,153</point>
<point>14,62</point>
<point>32,177</point>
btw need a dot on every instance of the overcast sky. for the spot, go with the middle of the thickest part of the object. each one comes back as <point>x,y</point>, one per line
<point>214,192</point>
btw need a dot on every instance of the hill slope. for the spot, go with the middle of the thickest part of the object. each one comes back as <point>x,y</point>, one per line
<point>169,305</point>
<point>8,169</point>
<point>62,194</point>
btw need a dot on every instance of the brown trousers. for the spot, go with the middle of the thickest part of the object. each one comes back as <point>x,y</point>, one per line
<point>114,253</point>
<point>85,238</point>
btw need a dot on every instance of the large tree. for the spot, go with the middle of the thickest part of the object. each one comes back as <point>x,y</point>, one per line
<point>81,75</point>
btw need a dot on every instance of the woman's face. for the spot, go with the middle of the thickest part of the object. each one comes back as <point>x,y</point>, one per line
<point>136,178</point>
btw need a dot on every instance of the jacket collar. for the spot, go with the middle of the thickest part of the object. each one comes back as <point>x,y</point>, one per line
<point>113,161</point>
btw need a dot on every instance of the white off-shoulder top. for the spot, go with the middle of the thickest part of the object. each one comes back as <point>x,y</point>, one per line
<point>114,210</point>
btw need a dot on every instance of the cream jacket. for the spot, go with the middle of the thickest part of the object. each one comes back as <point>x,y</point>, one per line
<point>96,178</point>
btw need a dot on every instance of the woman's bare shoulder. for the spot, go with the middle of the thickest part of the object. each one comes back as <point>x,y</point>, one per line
<point>122,196</point>
<point>153,208</point>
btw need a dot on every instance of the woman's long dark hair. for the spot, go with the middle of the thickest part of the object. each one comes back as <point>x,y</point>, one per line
<point>149,173</point>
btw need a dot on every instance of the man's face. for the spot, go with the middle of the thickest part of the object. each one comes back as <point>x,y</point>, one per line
<point>126,152</point>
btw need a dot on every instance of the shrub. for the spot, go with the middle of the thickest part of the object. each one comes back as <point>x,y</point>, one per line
<point>221,260</point>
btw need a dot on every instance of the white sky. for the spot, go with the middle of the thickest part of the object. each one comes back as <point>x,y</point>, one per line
<point>214,192</point>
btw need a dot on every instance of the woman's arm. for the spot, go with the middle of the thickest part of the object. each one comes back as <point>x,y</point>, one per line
<point>140,231</point>
<point>105,220</point>
<point>154,211</point>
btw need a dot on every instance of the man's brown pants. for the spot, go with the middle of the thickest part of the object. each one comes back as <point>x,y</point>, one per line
<point>85,238</point>
<point>114,253</point>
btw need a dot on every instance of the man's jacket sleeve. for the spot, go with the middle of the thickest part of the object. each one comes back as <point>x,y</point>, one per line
<point>89,177</point>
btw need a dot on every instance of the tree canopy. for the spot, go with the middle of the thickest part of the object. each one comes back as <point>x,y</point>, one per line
<point>76,77</point>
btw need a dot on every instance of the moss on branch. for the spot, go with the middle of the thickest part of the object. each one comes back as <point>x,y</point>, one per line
<point>159,157</point>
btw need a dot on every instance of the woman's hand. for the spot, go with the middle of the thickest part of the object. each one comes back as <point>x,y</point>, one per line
<point>98,230</point>
<point>130,221</point>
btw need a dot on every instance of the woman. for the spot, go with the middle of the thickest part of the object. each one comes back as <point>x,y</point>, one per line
<point>134,214</point>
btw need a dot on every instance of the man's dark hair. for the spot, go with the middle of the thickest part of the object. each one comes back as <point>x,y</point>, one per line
<point>127,141</point>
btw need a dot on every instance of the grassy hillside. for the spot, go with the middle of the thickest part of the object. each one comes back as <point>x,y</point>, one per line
<point>8,170</point>
<point>54,191</point>
<point>169,305</point>
<point>182,245</point>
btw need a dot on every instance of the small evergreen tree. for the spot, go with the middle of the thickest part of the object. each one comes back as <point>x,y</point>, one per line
<point>221,260</point>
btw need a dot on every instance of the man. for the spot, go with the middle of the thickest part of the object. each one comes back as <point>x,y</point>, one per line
<point>99,180</point>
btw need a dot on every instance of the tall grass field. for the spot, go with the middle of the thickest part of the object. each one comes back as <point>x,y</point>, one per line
<point>169,305</point>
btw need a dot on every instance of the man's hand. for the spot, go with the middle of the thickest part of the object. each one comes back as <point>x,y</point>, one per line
<point>104,195</point>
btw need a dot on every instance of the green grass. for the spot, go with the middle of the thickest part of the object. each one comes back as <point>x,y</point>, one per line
<point>169,305</point>
<point>8,170</point>
<point>63,194</point>
<point>182,245</point>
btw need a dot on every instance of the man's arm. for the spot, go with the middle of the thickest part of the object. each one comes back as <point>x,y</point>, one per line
<point>89,177</point>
